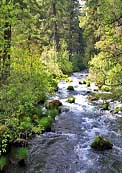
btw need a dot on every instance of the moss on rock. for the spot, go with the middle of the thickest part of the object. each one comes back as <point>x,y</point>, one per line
<point>105,106</point>
<point>101,144</point>
<point>70,88</point>
<point>71,100</point>
<point>88,84</point>
<point>84,82</point>
<point>93,98</point>
<point>53,104</point>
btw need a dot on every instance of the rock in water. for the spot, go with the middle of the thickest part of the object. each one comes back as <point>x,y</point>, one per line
<point>53,104</point>
<point>71,100</point>
<point>101,144</point>
<point>70,88</point>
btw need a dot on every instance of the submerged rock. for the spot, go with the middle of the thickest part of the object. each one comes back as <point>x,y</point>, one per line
<point>53,104</point>
<point>101,144</point>
<point>71,100</point>
<point>70,88</point>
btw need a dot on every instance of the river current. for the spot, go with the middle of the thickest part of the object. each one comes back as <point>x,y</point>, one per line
<point>66,149</point>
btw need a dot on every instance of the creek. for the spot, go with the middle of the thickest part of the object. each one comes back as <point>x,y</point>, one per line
<point>66,149</point>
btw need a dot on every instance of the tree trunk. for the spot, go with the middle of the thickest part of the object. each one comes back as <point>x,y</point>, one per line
<point>56,35</point>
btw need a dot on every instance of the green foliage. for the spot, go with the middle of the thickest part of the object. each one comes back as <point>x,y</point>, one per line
<point>45,123</point>
<point>105,88</point>
<point>101,31</point>
<point>118,109</point>
<point>21,153</point>
<point>77,62</point>
<point>3,162</point>
<point>52,112</point>
<point>63,60</point>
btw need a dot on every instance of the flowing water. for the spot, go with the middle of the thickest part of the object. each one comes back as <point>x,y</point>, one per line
<point>66,149</point>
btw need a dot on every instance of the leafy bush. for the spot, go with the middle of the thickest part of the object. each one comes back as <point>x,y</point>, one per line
<point>21,153</point>
<point>3,162</point>
<point>52,113</point>
<point>45,123</point>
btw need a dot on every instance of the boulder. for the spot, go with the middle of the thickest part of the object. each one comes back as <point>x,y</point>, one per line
<point>88,84</point>
<point>84,82</point>
<point>71,100</point>
<point>105,106</point>
<point>70,88</point>
<point>80,82</point>
<point>92,98</point>
<point>101,144</point>
<point>53,104</point>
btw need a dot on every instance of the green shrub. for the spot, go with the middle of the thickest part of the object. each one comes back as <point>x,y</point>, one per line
<point>52,113</point>
<point>45,123</point>
<point>21,153</point>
